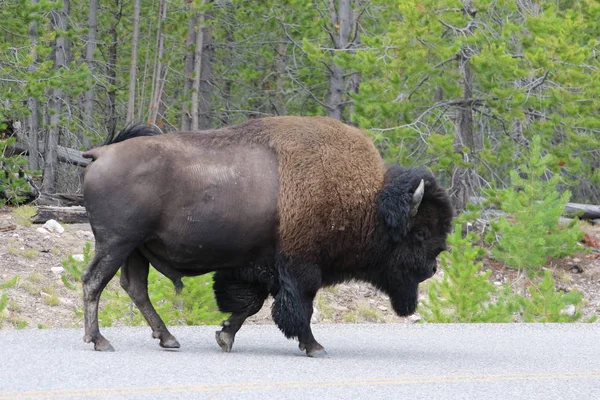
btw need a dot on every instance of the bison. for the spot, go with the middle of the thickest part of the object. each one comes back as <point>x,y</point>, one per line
<point>279,206</point>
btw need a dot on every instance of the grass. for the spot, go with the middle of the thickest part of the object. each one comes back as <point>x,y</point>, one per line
<point>563,276</point>
<point>23,214</point>
<point>365,311</point>
<point>350,316</point>
<point>34,277</point>
<point>31,253</point>
<point>27,253</point>
<point>31,288</point>
<point>49,290</point>
<point>17,322</point>
<point>9,283</point>
<point>323,306</point>
<point>14,306</point>
<point>52,300</point>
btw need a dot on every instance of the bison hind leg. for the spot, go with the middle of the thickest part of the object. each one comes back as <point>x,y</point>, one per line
<point>134,279</point>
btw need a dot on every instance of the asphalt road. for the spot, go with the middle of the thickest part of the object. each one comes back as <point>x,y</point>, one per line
<point>485,361</point>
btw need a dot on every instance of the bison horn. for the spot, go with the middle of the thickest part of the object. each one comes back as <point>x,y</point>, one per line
<point>417,197</point>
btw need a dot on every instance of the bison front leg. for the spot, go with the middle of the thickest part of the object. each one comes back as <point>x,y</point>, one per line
<point>134,279</point>
<point>293,306</point>
<point>307,341</point>
<point>240,297</point>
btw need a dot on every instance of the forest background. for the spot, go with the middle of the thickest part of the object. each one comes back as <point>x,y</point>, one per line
<point>499,98</point>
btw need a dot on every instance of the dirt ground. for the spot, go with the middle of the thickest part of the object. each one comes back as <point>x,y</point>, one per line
<point>40,300</point>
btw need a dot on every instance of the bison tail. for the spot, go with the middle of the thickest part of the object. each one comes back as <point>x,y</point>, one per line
<point>131,131</point>
<point>288,310</point>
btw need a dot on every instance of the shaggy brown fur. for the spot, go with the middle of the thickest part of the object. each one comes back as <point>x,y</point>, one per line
<point>329,174</point>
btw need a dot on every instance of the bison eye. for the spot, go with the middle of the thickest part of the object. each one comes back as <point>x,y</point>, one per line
<point>420,235</point>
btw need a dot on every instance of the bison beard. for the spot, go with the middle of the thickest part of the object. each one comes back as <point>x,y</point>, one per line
<point>300,203</point>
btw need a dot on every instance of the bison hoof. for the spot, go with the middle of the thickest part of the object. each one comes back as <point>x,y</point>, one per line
<point>224,340</point>
<point>314,350</point>
<point>103,346</point>
<point>170,343</point>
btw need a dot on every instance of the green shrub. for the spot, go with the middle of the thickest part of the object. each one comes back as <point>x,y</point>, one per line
<point>4,297</point>
<point>548,305</point>
<point>13,186</point>
<point>531,234</point>
<point>464,294</point>
<point>10,283</point>
<point>74,268</point>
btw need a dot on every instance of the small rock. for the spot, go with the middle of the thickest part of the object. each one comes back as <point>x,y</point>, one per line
<point>53,226</point>
<point>15,235</point>
<point>338,307</point>
<point>77,257</point>
<point>85,235</point>
<point>66,301</point>
<point>414,318</point>
<point>498,283</point>
<point>382,308</point>
<point>42,230</point>
<point>57,270</point>
<point>568,310</point>
<point>576,269</point>
<point>576,260</point>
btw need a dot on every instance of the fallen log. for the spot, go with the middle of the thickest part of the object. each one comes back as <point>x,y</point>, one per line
<point>64,154</point>
<point>9,227</point>
<point>587,211</point>
<point>67,215</point>
<point>59,200</point>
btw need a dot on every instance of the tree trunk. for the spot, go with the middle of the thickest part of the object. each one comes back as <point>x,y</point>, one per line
<point>186,115</point>
<point>464,180</point>
<point>205,101</point>
<point>341,22</point>
<point>354,78</point>
<point>32,104</point>
<point>59,23</point>
<point>157,75</point>
<point>279,103</point>
<point>88,106</point>
<point>197,70</point>
<point>226,96</point>
<point>134,59</point>
<point>112,80</point>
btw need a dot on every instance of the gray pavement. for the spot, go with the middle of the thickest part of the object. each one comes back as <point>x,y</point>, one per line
<point>379,361</point>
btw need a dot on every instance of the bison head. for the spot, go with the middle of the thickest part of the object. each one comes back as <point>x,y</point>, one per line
<point>415,217</point>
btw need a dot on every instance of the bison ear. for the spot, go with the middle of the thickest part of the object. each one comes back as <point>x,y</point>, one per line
<point>397,202</point>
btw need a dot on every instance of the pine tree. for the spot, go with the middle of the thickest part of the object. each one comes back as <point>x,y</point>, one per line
<point>465,294</point>
<point>532,233</point>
